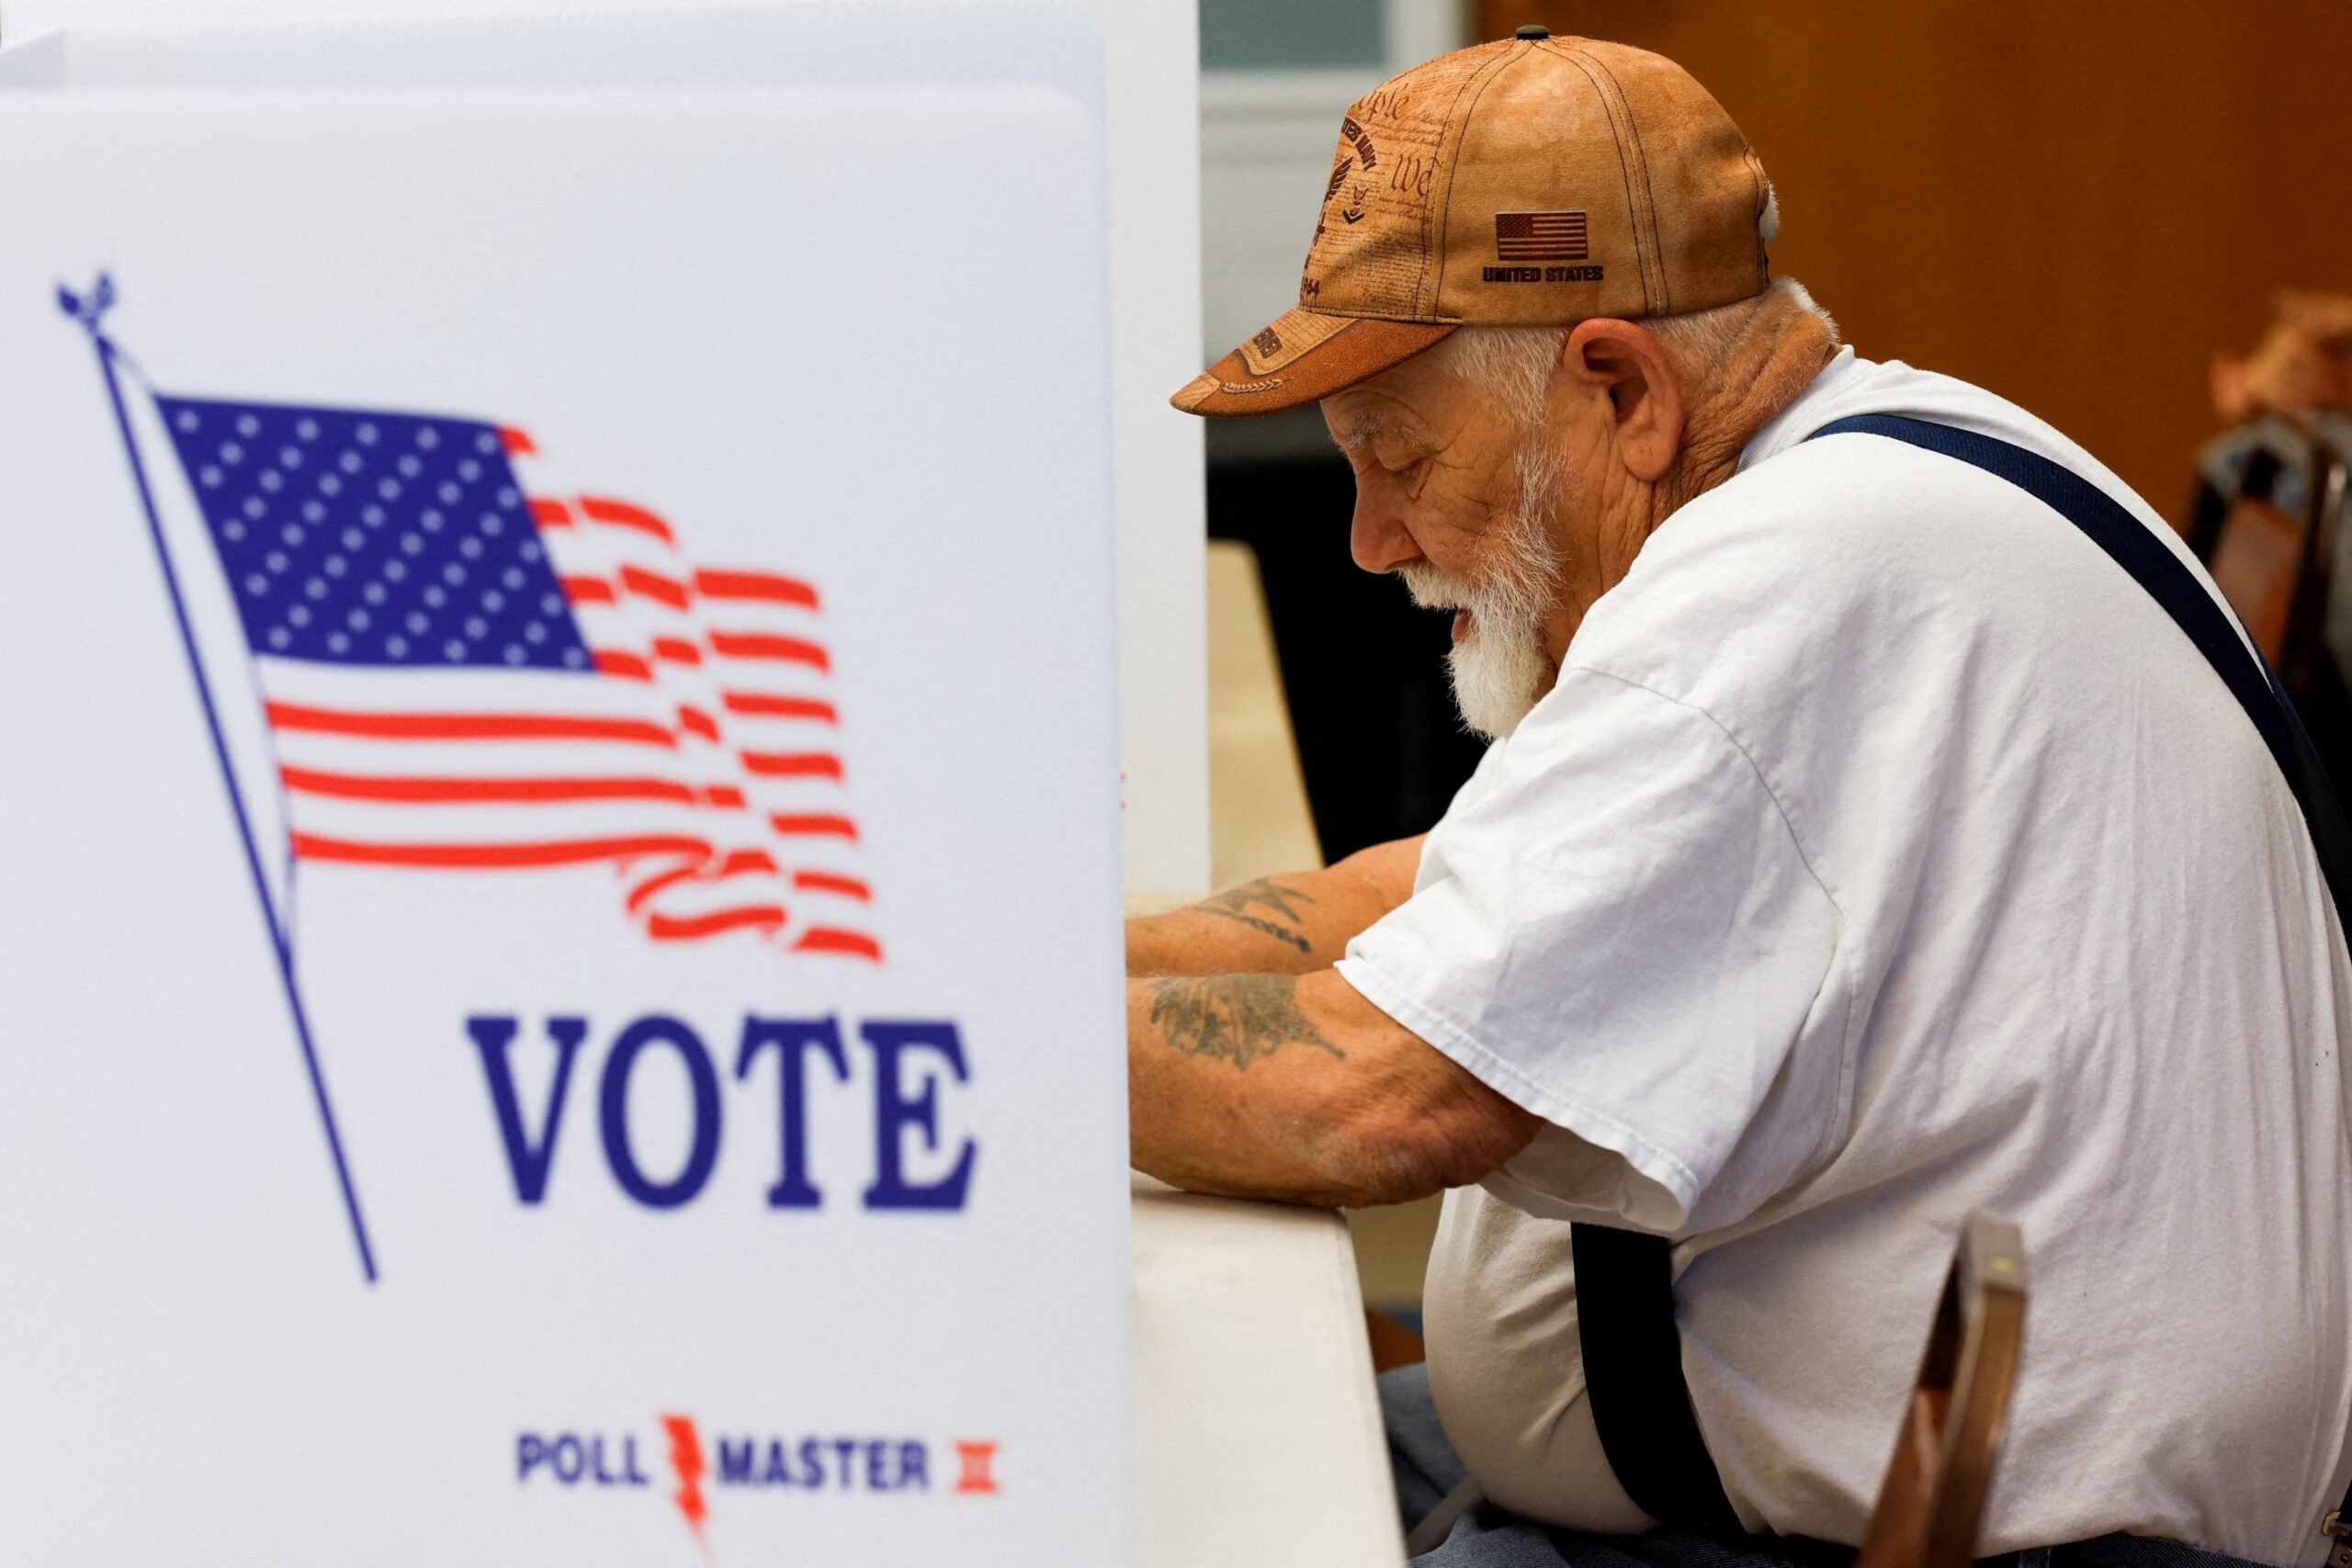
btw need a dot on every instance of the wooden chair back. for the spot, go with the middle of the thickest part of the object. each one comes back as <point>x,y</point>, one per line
<point>2274,567</point>
<point>1932,1499</point>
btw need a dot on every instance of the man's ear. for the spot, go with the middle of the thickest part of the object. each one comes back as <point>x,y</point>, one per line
<point>1625,363</point>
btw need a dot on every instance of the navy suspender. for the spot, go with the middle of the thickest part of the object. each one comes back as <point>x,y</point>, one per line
<point>1632,1355</point>
<point>1634,1384</point>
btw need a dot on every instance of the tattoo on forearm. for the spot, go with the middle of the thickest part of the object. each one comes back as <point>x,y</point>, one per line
<point>1233,1017</point>
<point>1283,920</point>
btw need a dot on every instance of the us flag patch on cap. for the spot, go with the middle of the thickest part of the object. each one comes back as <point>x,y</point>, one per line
<point>1538,236</point>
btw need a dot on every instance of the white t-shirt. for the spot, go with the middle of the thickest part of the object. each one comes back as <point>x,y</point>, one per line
<point>1885,853</point>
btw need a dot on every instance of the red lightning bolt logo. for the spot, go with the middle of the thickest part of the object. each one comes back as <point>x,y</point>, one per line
<point>687,1462</point>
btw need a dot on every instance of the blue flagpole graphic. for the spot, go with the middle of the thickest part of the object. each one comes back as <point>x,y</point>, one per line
<point>90,312</point>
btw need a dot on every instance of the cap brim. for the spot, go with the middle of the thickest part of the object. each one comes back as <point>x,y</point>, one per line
<point>1301,356</point>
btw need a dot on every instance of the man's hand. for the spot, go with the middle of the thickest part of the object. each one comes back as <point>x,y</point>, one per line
<point>1295,1087</point>
<point>1279,925</point>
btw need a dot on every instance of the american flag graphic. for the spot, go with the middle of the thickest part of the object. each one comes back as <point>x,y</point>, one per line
<point>466,665</point>
<point>1539,236</point>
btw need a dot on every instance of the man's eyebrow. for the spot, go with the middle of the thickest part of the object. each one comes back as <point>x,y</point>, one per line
<point>1373,424</point>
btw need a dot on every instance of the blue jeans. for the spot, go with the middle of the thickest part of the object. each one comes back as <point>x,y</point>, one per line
<point>1427,1469</point>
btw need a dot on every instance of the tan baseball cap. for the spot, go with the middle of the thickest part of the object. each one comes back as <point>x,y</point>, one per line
<point>1537,181</point>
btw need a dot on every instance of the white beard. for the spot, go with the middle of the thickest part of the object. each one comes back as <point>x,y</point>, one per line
<point>1500,668</point>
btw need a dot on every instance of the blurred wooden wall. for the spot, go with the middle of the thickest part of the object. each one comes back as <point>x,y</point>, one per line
<point>2073,202</point>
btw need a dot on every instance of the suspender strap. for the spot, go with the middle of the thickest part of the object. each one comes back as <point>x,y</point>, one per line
<point>1633,1379</point>
<point>1632,1354</point>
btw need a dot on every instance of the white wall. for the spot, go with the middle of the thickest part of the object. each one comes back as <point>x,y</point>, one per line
<point>1153,85</point>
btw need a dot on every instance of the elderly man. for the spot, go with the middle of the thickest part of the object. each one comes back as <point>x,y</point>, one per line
<point>1859,845</point>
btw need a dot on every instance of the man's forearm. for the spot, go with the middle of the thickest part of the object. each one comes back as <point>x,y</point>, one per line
<point>1288,924</point>
<point>1291,1087</point>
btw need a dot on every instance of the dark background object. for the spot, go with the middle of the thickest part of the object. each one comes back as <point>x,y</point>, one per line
<point>1379,741</point>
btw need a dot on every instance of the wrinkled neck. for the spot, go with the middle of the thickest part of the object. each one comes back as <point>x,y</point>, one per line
<point>1767,369</point>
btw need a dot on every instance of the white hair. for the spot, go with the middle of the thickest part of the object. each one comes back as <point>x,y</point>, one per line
<point>1514,365</point>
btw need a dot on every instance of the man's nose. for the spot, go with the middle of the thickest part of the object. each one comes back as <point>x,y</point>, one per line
<point>1377,535</point>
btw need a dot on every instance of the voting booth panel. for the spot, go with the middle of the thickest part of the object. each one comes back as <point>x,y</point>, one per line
<point>478,46</point>
<point>564,839</point>
<point>1136,64</point>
